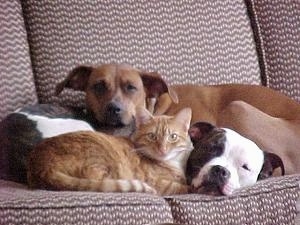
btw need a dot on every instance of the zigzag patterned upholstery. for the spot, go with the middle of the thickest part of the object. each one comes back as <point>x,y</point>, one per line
<point>188,41</point>
<point>17,86</point>
<point>279,23</point>
<point>271,201</point>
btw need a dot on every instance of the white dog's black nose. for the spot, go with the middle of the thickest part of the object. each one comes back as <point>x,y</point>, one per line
<point>219,173</point>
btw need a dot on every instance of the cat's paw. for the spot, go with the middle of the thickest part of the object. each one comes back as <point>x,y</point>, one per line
<point>141,186</point>
<point>149,189</point>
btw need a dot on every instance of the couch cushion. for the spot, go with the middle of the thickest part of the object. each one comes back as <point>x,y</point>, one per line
<point>279,23</point>
<point>17,86</point>
<point>19,205</point>
<point>187,41</point>
<point>272,201</point>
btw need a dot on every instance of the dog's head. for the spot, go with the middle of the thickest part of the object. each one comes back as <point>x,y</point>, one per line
<point>113,92</point>
<point>223,160</point>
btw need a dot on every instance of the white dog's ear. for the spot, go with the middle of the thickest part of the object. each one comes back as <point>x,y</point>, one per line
<point>198,130</point>
<point>271,162</point>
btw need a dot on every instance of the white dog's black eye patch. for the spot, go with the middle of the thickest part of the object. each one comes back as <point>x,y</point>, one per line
<point>209,142</point>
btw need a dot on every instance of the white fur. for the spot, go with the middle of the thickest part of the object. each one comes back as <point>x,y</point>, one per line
<point>238,151</point>
<point>50,127</point>
<point>178,158</point>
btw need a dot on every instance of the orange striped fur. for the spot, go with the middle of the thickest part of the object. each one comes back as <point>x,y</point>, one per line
<point>152,161</point>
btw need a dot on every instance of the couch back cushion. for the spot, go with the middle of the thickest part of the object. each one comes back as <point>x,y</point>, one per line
<point>279,22</point>
<point>17,85</point>
<point>188,41</point>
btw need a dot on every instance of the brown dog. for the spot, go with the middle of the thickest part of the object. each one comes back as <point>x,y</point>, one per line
<point>113,92</point>
<point>267,117</point>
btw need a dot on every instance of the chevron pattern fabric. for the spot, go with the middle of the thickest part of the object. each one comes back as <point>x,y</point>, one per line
<point>20,205</point>
<point>187,41</point>
<point>280,29</point>
<point>17,85</point>
<point>272,201</point>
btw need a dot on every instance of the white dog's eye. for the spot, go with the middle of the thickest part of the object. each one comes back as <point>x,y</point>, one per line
<point>245,166</point>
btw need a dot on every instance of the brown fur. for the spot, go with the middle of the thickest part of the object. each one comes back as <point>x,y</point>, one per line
<point>115,85</point>
<point>94,161</point>
<point>267,117</point>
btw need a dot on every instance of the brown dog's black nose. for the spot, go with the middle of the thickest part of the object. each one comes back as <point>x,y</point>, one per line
<point>219,173</point>
<point>113,114</point>
<point>113,109</point>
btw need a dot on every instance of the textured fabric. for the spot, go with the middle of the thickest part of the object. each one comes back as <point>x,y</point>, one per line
<point>272,201</point>
<point>18,205</point>
<point>186,41</point>
<point>297,219</point>
<point>279,22</point>
<point>259,41</point>
<point>16,86</point>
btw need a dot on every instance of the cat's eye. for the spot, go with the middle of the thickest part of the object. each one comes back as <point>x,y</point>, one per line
<point>173,137</point>
<point>151,137</point>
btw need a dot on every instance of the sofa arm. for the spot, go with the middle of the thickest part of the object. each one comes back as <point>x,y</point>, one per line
<point>17,83</point>
<point>271,201</point>
<point>279,33</point>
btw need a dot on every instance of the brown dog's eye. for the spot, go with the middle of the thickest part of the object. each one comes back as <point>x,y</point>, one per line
<point>100,88</point>
<point>130,88</point>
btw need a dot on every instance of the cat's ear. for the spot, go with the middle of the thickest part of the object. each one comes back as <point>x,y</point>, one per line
<point>199,130</point>
<point>184,117</point>
<point>142,116</point>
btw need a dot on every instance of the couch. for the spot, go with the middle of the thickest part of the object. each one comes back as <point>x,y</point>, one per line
<point>189,41</point>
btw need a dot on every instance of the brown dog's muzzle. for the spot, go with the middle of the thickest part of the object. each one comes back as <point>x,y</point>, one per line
<point>113,114</point>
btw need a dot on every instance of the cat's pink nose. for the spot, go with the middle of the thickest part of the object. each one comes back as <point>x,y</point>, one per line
<point>162,151</point>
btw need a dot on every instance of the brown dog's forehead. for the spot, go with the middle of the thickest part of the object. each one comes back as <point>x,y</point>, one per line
<point>113,73</point>
<point>127,73</point>
<point>107,71</point>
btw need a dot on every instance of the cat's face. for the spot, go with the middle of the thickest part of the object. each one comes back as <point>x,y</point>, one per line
<point>162,137</point>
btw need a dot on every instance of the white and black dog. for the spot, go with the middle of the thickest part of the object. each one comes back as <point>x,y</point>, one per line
<point>22,130</point>
<point>223,161</point>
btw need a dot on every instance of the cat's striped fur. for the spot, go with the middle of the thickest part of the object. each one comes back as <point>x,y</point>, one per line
<point>153,161</point>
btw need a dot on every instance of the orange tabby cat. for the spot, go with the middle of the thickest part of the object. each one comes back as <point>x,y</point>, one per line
<point>152,161</point>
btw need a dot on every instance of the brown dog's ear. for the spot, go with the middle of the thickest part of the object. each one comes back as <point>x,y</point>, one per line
<point>155,86</point>
<point>271,162</point>
<point>198,130</point>
<point>77,79</point>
